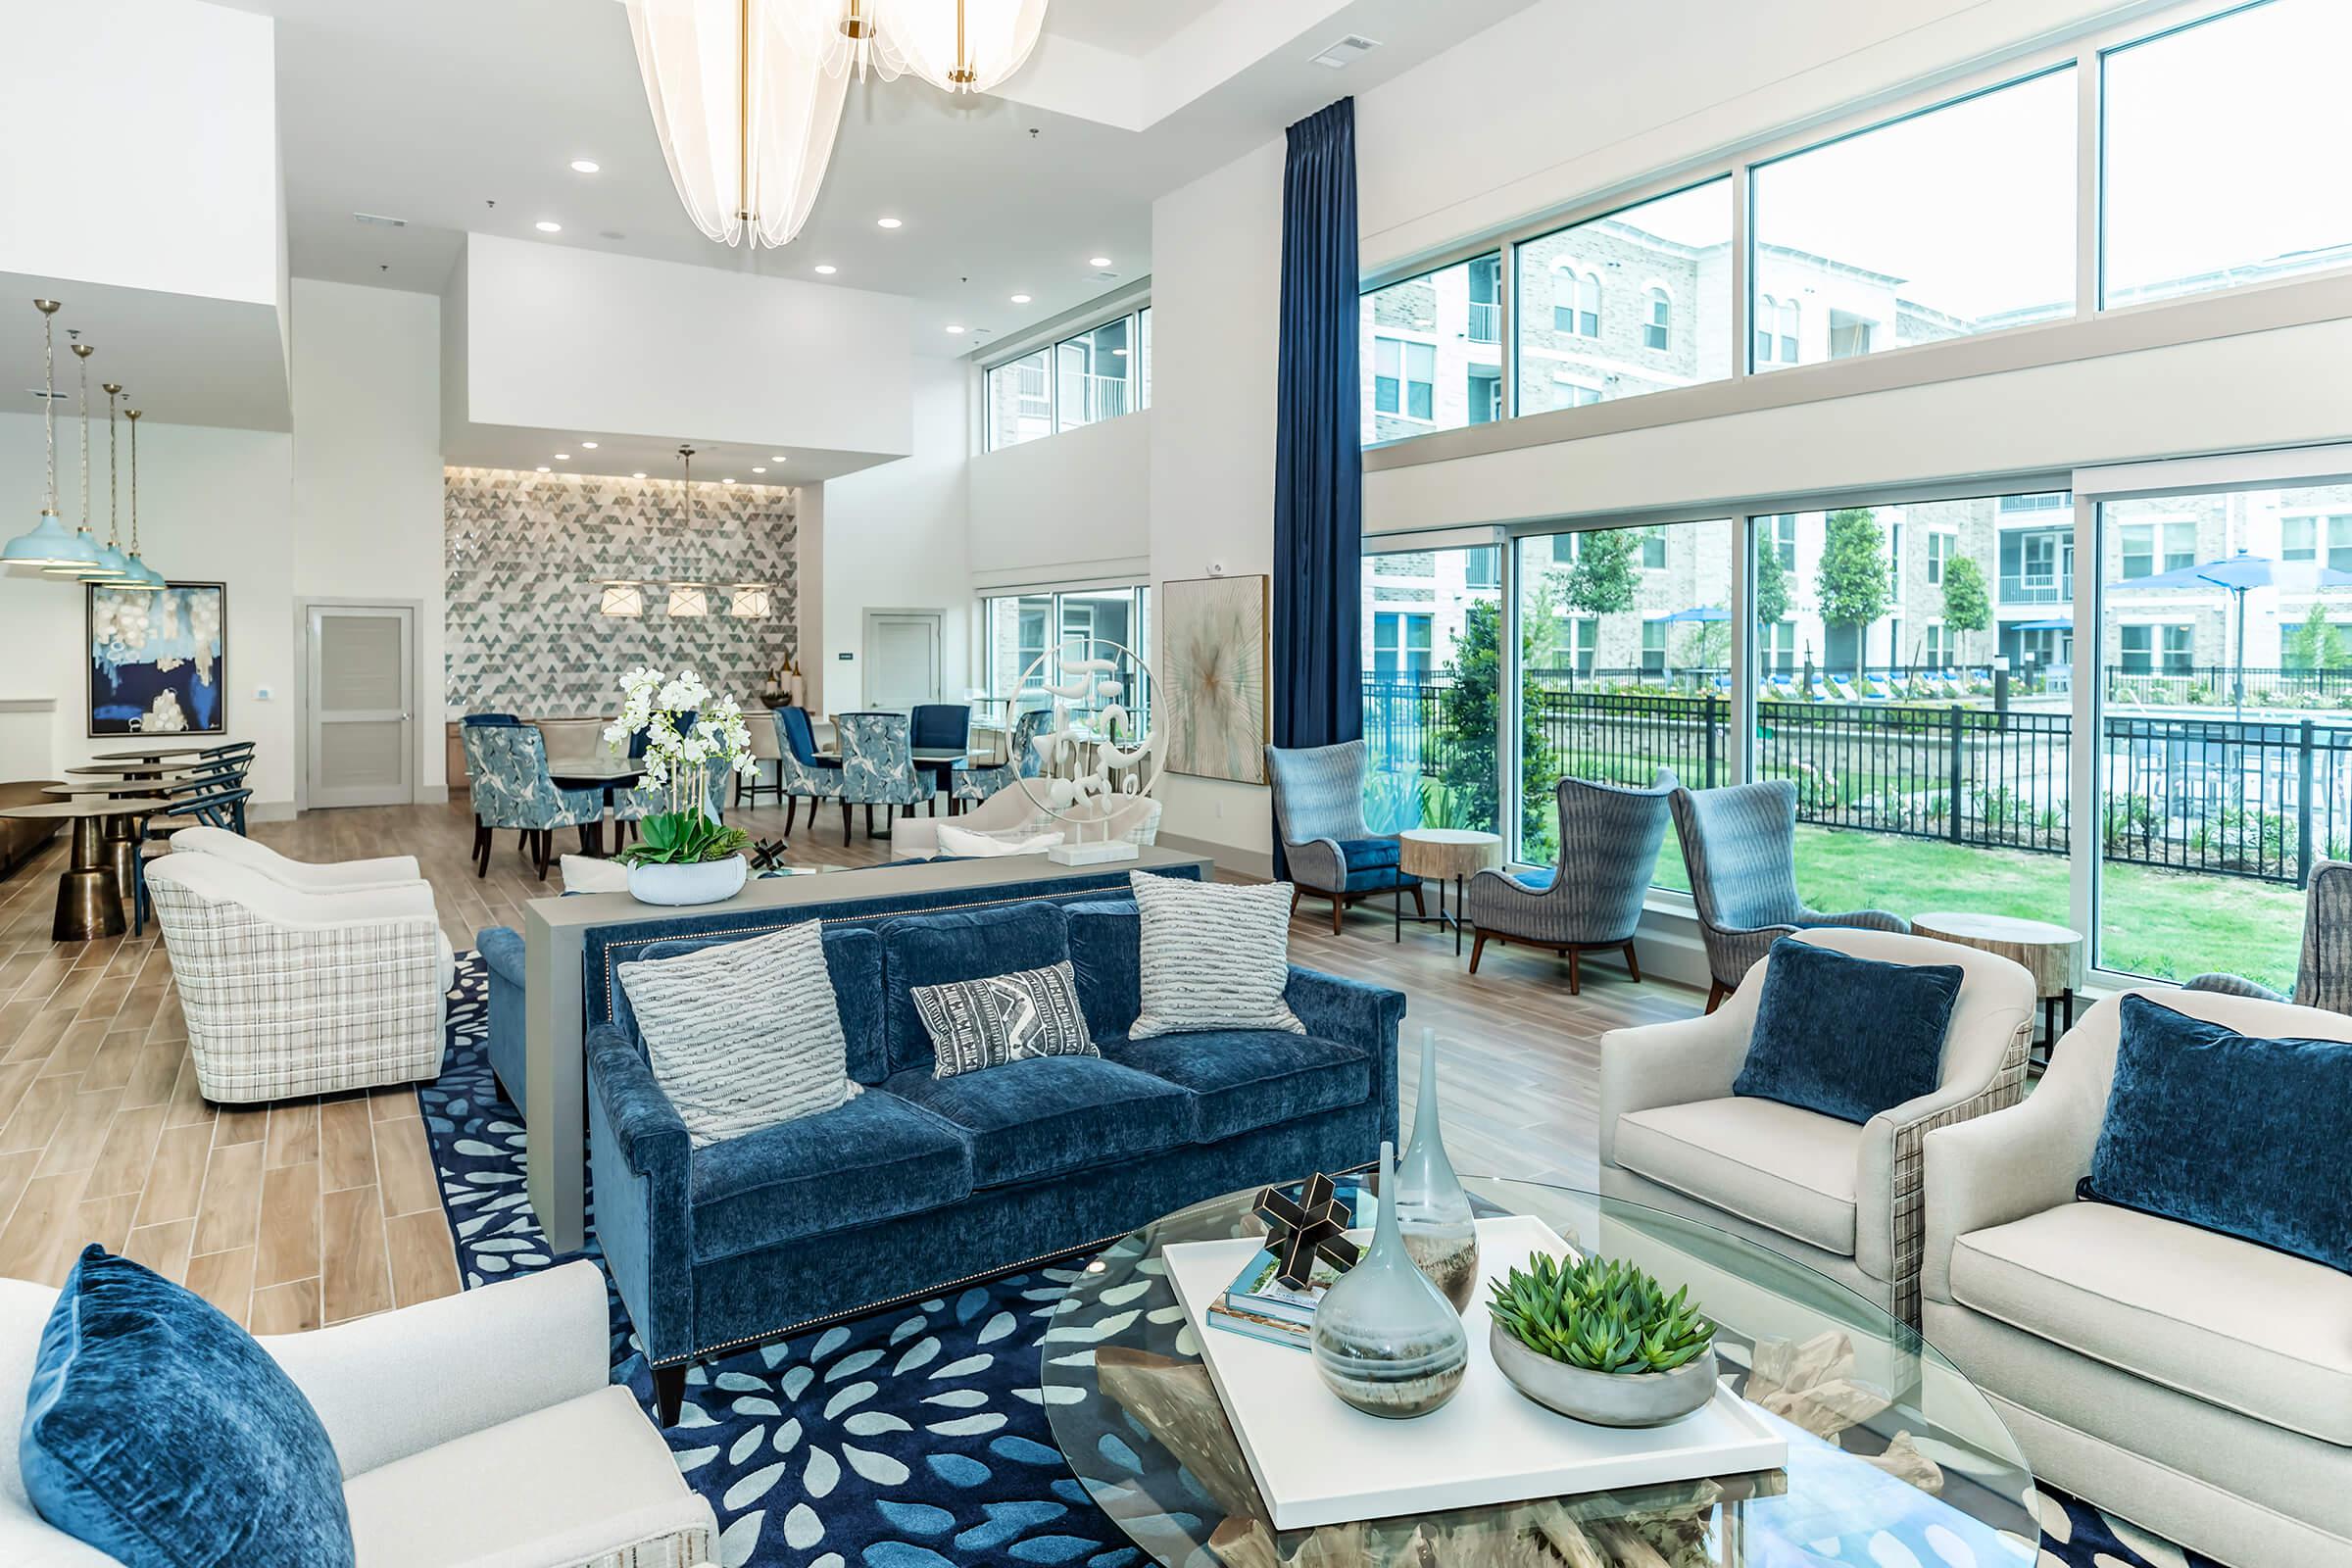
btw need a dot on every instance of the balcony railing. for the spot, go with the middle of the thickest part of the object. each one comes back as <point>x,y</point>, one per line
<point>2037,588</point>
<point>1485,323</point>
<point>1087,397</point>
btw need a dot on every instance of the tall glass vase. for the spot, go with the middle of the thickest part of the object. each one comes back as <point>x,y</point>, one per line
<point>1384,1340</point>
<point>1432,1209</point>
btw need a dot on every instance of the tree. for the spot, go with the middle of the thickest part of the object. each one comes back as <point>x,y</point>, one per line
<point>1772,583</point>
<point>2316,644</point>
<point>1851,588</point>
<point>1472,776</point>
<point>1707,644</point>
<point>1606,572</point>
<point>1967,607</point>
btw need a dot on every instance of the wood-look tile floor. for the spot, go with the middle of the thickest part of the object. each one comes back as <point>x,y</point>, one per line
<point>312,1212</point>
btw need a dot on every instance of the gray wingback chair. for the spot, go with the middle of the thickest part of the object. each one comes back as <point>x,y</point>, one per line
<point>1319,807</point>
<point>1592,899</point>
<point>1740,847</point>
<point>2323,978</point>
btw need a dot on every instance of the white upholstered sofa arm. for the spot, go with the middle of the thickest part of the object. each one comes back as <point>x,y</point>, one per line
<point>1994,1170</point>
<point>325,877</point>
<point>400,1383</point>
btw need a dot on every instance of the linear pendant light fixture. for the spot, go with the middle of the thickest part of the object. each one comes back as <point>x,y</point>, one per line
<point>46,543</point>
<point>110,560</point>
<point>688,598</point>
<point>140,577</point>
<point>85,567</point>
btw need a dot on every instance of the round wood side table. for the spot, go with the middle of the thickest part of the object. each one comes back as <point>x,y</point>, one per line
<point>2051,954</point>
<point>1441,855</point>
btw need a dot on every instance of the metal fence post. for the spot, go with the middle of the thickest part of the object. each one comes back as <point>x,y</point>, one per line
<point>2303,770</point>
<point>1711,747</point>
<point>1955,775</point>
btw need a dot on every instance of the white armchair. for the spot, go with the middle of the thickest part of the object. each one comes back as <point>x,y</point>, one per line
<point>477,1431</point>
<point>391,870</point>
<point>291,992</point>
<point>1842,1199</point>
<point>2195,1384</point>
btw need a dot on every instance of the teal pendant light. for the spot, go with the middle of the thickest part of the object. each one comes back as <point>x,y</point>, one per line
<point>139,578</point>
<point>46,543</point>
<point>85,565</point>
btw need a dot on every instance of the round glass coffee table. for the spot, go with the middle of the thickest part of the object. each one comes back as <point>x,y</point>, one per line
<point>1894,1457</point>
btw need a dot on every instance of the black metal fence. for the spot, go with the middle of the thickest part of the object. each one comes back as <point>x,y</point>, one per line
<point>2233,798</point>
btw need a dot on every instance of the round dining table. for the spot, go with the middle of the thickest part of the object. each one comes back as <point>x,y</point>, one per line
<point>606,773</point>
<point>90,890</point>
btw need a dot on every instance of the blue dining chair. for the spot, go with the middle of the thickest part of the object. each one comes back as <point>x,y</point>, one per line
<point>877,766</point>
<point>806,773</point>
<point>507,766</point>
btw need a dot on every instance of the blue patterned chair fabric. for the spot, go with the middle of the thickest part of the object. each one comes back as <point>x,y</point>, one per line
<point>920,1181</point>
<point>508,768</point>
<point>2323,977</point>
<point>1319,806</point>
<point>495,720</point>
<point>877,760</point>
<point>804,772</point>
<point>641,800</point>
<point>976,784</point>
<point>1592,896</point>
<point>1740,847</point>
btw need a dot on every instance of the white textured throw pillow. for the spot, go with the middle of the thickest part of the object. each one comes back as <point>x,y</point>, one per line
<point>744,1035</point>
<point>1215,955</point>
<point>978,844</point>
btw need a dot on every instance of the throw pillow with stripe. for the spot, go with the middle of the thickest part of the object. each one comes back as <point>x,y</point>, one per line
<point>1214,955</point>
<point>1003,1017</point>
<point>743,1035</point>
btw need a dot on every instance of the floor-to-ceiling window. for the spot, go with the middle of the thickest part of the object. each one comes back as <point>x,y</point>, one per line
<point>2225,763</point>
<point>1432,351</point>
<point>1434,629</point>
<point>1029,638</point>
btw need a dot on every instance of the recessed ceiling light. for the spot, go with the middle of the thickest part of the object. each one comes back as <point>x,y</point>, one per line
<point>548,227</point>
<point>1021,299</point>
<point>1098,260</point>
<point>543,468</point>
<point>562,456</point>
<point>585,165</point>
<point>639,475</point>
<point>758,470</point>
<point>775,457</point>
<point>1119,354</point>
<point>826,269</point>
<point>887,222</point>
<point>957,330</point>
<point>588,446</point>
<point>729,479</point>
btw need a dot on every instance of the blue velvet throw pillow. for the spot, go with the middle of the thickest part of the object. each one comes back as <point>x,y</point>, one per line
<point>2229,1132</point>
<point>161,1433</point>
<point>1847,1037</point>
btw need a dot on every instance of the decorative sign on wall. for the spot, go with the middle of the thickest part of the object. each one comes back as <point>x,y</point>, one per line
<point>529,560</point>
<point>157,660</point>
<point>1215,630</point>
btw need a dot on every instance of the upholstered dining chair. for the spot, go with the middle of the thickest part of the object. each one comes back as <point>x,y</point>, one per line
<point>877,768</point>
<point>1740,847</point>
<point>1591,898</point>
<point>643,800</point>
<point>973,785</point>
<point>1840,1196</point>
<point>805,774</point>
<point>2323,977</point>
<point>939,725</point>
<point>512,790</point>
<point>1319,806</point>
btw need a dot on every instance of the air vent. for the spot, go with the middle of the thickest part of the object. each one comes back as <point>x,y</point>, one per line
<point>1347,52</point>
<point>381,220</point>
<point>1106,277</point>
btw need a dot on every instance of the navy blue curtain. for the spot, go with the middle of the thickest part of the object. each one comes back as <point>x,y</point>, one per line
<point>1318,446</point>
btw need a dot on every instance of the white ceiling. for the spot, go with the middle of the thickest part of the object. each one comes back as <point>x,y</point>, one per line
<point>1126,26</point>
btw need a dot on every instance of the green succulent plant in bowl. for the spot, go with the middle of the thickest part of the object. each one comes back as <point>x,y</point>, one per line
<point>1600,1340</point>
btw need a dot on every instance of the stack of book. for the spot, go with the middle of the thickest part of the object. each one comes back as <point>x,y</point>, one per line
<point>1261,1306</point>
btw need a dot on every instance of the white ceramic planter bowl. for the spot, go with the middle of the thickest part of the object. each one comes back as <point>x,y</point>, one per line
<point>1606,1398</point>
<point>701,882</point>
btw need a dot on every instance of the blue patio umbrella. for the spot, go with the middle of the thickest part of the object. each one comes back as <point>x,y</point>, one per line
<point>2240,573</point>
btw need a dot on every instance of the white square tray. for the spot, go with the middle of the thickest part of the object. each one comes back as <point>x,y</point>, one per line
<point>1319,1462</point>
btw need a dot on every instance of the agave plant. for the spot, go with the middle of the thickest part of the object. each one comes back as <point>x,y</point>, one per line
<point>1599,1314</point>
<point>683,838</point>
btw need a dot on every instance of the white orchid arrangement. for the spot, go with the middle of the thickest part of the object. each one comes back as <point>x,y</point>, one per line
<point>678,761</point>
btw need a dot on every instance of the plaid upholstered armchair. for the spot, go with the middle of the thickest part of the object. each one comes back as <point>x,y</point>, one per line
<point>2323,979</point>
<point>1591,899</point>
<point>1740,847</point>
<point>1319,806</point>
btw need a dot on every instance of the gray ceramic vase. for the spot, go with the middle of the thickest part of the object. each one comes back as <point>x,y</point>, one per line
<point>693,882</point>
<point>1385,1340</point>
<point>1604,1398</point>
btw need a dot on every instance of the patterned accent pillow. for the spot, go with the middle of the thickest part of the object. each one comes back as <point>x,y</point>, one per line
<point>1213,954</point>
<point>1003,1017</point>
<point>744,1035</point>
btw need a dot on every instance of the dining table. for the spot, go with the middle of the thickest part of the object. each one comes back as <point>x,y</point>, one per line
<point>90,890</point>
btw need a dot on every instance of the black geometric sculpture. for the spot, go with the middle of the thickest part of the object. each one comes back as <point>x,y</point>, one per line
<point>1298,1233</point>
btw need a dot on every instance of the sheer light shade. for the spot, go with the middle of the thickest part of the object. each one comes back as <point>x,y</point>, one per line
<point>745,108</point>
<point>751,601</point>
<point>622,598</point>
<point>960,45</point>
<point>689,599</point>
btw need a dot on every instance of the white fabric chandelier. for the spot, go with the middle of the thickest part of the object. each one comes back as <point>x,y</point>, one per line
<point>746,94</point>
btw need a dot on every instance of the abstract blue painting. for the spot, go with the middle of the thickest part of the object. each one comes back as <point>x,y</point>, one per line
<point>157,660</point>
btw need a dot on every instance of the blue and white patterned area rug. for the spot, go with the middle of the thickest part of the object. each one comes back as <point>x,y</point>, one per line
<point>917,1437</point>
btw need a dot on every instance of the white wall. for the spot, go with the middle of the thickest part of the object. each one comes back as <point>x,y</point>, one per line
<point>1066,508</point>
<point>367,477</point>
<point>896,537</point>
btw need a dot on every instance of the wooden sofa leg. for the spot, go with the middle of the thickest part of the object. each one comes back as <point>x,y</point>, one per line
<point>1296,895</point>
<point>1715,994</point>
<point>1632,965</point>
<point>1576,972</point>
<point>670,1392</point>
<point>1478,947</point>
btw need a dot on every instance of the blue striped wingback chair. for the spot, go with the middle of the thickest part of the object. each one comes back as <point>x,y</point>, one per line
<point>507,766</point>
<point>1740,847</point>
<point>2323,978</point>
<point>1592,896</point>
<point>1332,851</point>
<point>877,766</point>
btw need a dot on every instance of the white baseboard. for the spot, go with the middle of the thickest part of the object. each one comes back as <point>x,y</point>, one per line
<point>269,812</point>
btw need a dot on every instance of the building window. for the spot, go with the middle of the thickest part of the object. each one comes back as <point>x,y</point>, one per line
<point>1788,319</point>
<point>1653,646</point>
<point>1656,332</point>
<point>1020,401</point>
<point>1031,634</point>
<point>1095,375</point>
<point>1401,647</point>
<point>1939,550</point>
<point>1783,532</point>
<point>1776,330</point>
<point>2037,566</point>
<point>1937,181</point>
<point>1568,394</point>
<point>1653,550</point>
<point>2159,650</point>
<point>1894,562</point>
<point>2152,548</point>
<point>1575,300</point>
<point>1405,378</point>
<point>1938,653</point>
<point>1775,647</point>
<point>2303,538</point>
<point>1485,393</point>
<point>1482,567</point>
<point>1486,298</point>
<point>1430,360</point>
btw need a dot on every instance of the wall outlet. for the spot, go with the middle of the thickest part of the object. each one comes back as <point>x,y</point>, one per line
<point>263,694</point>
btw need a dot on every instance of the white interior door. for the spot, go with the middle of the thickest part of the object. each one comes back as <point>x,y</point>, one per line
<point>363,749</point>
<point>902,658</point>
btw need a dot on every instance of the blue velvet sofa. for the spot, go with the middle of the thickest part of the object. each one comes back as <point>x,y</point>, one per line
<point>500,947</point>
<point>920,1183</point>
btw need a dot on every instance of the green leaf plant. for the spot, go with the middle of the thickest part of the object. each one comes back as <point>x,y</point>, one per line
<point>682,838</point>
<point>1599,1314</point>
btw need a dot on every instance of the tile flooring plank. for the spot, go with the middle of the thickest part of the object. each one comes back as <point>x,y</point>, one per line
<point>288,1307</point>
<point>404,1163</point>
<point>175,1181</point>
<point>127,1153</point>
<point>225,1279</point>
<point>287,1245</point>
<point>163,1247</point>
<point>232,1207</point>
<point>346,1145</point>
<point>356,1277</point>
<point>293,1134</point>
<point>424,1260</point>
